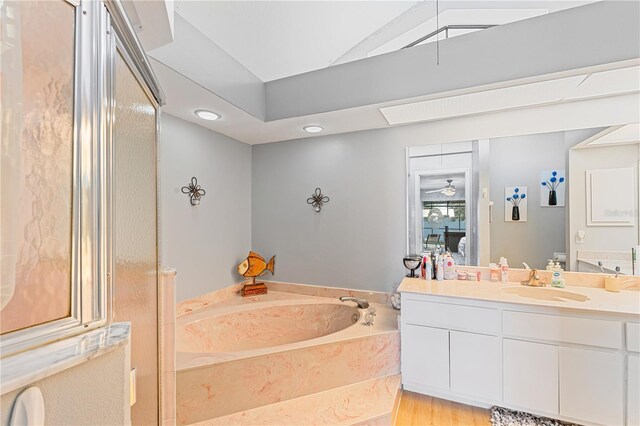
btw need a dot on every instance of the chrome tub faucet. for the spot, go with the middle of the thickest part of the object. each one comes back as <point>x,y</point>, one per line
<point>362,303</point>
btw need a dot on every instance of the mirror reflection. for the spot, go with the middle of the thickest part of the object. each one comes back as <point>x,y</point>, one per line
<point>567,199</point>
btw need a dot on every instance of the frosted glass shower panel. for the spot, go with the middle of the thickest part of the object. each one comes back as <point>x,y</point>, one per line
<point>135,244</point>
<point>37,84</point>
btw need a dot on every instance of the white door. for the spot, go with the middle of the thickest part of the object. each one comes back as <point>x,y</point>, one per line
<point>476,361</point>
<point>633,391</point>
<point>591,385</point>
<point>530,376</point>
<point>425,357</point>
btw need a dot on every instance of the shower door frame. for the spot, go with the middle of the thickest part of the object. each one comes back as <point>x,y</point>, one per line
<point>121,40</point>
<point>89,246</point>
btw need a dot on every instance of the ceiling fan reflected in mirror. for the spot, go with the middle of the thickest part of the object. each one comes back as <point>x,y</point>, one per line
<point>449,190</point>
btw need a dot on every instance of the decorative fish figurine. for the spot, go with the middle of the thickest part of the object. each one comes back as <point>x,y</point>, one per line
<point>255,266</point>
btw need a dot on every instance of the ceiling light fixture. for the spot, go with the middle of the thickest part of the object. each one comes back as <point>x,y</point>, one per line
<point>206,115</point>
<point>313,129</point>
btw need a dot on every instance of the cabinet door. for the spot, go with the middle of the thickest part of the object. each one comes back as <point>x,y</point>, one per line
<point>530,376</point>
<point>591,385</point>
<point>476,362</point>
<point>633,390</point>
<point>425,356</point>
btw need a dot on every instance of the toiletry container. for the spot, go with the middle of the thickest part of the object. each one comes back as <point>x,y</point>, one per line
<point>504,270</point>
<point>428,269</point>
<point>494,272</point>
<point>612,284</point>
<point>557,267</point>
<point>549,265</point>
<point>449,268</point>
<point>440,269</point>
<point>557,279</point>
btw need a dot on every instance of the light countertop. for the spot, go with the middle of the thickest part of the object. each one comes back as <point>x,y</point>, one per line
<point>36,364</point>
<point>583,298</point>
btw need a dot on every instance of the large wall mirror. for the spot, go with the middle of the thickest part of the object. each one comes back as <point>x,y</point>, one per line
<point>568,196</point>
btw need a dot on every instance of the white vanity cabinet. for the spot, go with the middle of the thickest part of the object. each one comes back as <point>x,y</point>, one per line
<point>451,349</point>
<point>531,375</point>
<point>591,385</point>
<point>551,362</point>
<point>633,373</point>
<point>426,356</point>
<point>475,361</point>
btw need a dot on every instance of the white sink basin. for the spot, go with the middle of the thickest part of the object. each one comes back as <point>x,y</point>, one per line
<point>544,293</point>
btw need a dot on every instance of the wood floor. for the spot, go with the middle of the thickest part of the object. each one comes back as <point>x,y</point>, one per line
<point>421,410</point>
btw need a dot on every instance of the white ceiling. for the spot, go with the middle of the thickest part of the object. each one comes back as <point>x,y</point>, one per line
<point>276,39</point>
<point>605,83</point>
<point>616,135</point>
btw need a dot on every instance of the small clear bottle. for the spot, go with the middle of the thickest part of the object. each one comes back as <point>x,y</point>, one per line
<point>504,270</point>
<point>494,272</point>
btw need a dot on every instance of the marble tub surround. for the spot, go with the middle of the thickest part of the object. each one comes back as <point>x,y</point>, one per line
<point>193,304</point>
<point>27,367</point>
<point>573,279</point>
<point>268,326</point>
<point>214,384</point>
<point>229,387</point>
<point>167,327</point>
<point>365,403</point>
<point>386,321</point>
<point>586,298</point>
<point>331,292</point>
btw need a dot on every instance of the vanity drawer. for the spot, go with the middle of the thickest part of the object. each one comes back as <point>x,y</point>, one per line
<point>582,331</point>
<point>633,337</point>
<point>453,317</point>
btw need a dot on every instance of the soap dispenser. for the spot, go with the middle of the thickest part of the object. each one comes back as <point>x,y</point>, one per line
<point>557,280</point>
<point>550,265</point>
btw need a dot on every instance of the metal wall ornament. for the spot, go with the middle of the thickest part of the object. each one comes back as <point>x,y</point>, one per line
<point>317,200</point>
<point>194,191</point>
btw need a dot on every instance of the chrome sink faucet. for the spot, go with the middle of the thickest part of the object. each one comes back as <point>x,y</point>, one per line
<point>534,279</point>
<point>362,303</point>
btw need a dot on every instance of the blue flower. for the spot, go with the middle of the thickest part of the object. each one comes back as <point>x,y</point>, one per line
<point>561,179</point>
<point>516,190</point>
<point>553,179</point>
<point>554,173</point>
<point>524,196</point>
<point>516,196</point>
<point>544,183</point>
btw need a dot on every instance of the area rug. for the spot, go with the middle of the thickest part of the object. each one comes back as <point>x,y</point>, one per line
<point>504,417</point>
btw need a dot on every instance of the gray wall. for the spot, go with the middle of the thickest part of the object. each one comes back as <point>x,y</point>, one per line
<point>359,238</point>
<point>203,243</point>
<point>518,161</point>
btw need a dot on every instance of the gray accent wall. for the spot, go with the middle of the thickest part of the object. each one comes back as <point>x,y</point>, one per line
<point>358,240</point>
<point>203,243</point>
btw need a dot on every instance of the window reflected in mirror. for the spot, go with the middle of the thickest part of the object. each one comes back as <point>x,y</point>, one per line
<point>37,83</point>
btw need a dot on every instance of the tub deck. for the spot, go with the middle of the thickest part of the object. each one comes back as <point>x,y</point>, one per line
<point>330,374</point>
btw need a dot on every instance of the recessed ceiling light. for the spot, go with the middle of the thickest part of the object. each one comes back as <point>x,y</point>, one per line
<point>206,115</point>
<point>313,129</point>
